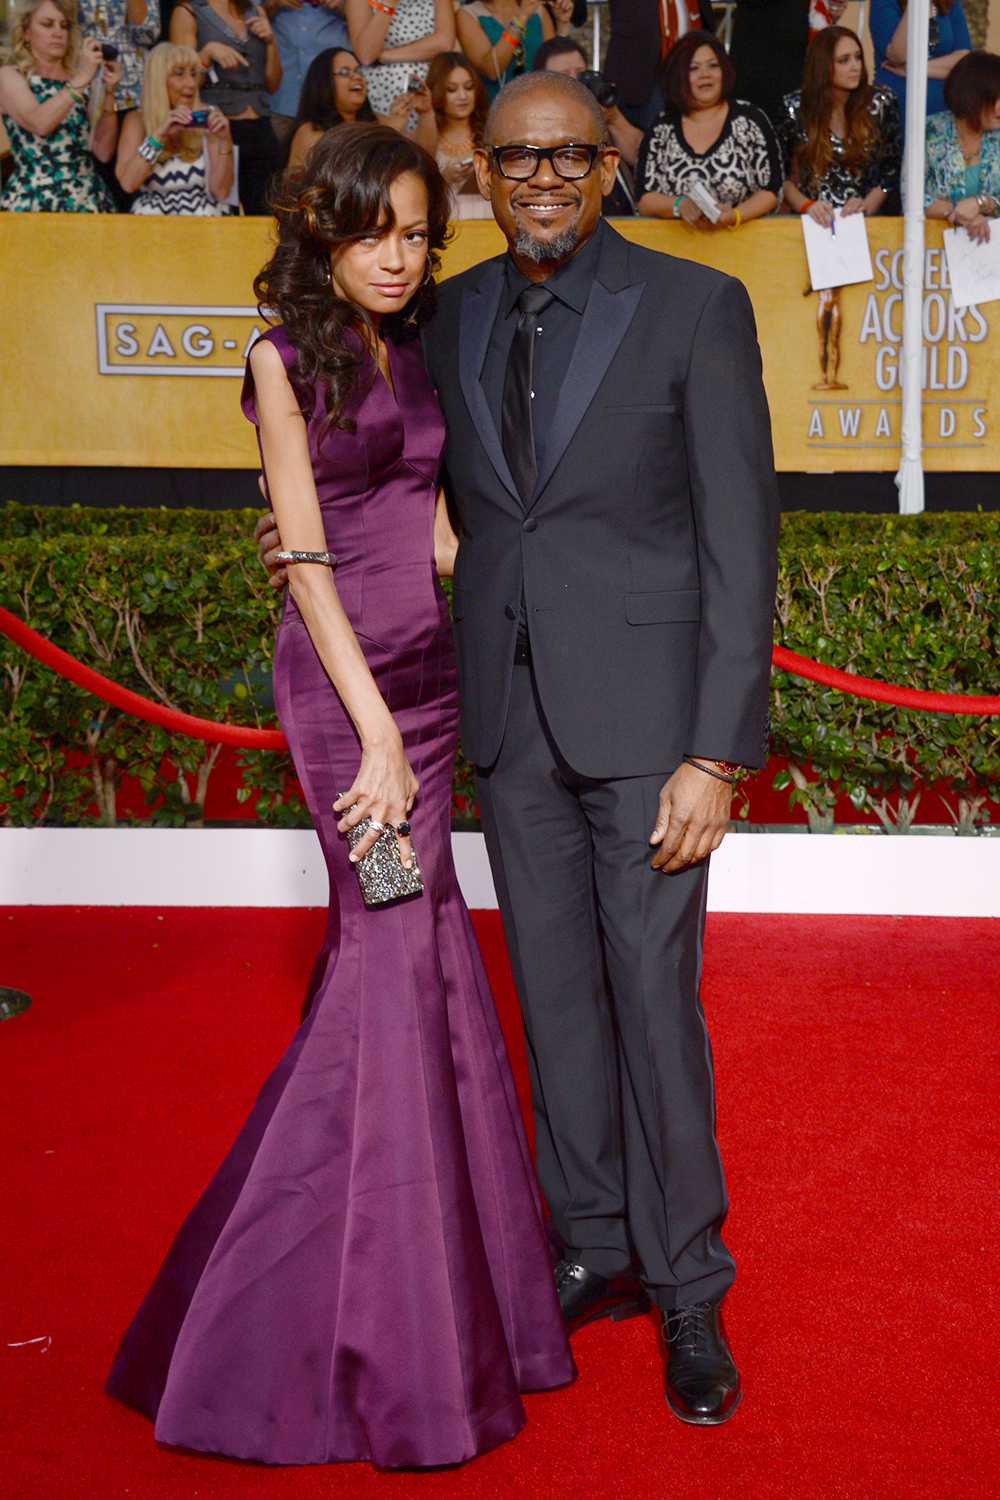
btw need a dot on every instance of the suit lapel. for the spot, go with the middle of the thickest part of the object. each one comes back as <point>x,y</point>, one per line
<point>606,319</point>
<point>478,314</point>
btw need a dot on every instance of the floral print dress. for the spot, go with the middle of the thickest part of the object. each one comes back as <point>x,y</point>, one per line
<point>54,174</point>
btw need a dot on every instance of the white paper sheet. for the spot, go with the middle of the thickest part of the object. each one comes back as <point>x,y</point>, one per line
<point>837,256</point>
<point>973,270</point>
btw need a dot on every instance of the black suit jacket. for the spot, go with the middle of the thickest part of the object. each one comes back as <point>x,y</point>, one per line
<point>647,555</point>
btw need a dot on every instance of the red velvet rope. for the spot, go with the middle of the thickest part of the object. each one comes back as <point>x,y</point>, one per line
<point>882,692</point>
<point>133,703</point>
<point>272,739</point>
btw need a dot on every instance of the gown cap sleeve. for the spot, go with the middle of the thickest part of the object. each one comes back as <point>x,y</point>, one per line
<point>279,338</point>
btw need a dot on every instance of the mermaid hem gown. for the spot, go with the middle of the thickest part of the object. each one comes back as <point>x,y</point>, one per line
<point>367,1276</point>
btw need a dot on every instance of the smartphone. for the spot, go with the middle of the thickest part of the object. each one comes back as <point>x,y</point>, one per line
<point>199,117</point>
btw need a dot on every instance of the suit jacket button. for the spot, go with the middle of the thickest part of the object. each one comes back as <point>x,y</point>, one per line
<point>510,611</point>
<point>530,524</point>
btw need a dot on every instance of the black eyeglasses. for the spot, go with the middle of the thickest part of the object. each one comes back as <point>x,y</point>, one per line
<point>568,162</point>
<point>347,73</point>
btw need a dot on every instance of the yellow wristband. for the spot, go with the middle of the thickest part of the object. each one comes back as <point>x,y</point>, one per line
<point>739,219</point>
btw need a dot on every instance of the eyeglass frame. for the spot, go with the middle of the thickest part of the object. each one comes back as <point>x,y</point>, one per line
<point>547,153</point>
<point>348,73</point>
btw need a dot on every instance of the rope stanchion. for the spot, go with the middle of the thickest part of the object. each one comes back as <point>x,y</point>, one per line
<point>882,692</point>
<point>133,703</point>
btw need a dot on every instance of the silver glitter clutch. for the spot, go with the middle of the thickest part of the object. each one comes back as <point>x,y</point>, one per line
<point>381,872</point>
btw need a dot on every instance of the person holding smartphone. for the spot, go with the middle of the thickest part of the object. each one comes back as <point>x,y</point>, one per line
<point>175,155</point>
<point>460,106</point>
<point>44,101</point>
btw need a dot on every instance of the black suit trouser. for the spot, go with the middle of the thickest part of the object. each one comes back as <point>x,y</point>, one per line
<point>606,954</point>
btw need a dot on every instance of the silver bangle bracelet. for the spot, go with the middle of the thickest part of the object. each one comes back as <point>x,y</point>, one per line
<point>329,558</point>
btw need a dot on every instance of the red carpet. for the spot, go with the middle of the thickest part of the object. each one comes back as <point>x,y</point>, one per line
<point>858,1095</point>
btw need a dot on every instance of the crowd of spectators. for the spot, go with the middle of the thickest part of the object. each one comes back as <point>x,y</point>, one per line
<point>101,115</point>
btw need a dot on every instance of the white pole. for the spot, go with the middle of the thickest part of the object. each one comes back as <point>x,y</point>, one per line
<point>910,478</point>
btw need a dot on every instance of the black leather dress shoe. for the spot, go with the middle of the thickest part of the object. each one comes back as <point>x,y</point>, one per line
<point>585,1295</point>
<point>702,1381</point>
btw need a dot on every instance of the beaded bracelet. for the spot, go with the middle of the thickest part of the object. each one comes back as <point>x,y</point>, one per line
<point>719,775</point>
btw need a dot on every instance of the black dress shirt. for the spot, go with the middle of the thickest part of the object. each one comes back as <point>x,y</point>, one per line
<point>558,329</point>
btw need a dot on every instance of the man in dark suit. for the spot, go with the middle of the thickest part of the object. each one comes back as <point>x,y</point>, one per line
<point>613,603</point>
<point>609,460</point>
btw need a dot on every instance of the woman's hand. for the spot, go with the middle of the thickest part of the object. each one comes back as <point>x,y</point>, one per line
<point>972,219</point>
<point>727,216</point>
<point>562,11</point>
<point>691,213</point>
<point>178,119</point>
<point>853,206</point>
<point>399,112</point>
<point>112,75</point>
<point>261,27</point>
<point>91,58</point>
<point>420,99</point>
<point>226,57</point>
<point>218,124</point>
<point>821,213</point>
<point>384,790</point>
<point>455,171</point>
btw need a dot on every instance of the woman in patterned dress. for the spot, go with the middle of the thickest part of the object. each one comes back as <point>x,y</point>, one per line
<point>175,168</point>
<point>706,139</point>
<point>962,160</point>
<point>395,41</point>
<point>44,103</point>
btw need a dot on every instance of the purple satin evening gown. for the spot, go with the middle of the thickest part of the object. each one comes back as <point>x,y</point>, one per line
<point>367,1276</point>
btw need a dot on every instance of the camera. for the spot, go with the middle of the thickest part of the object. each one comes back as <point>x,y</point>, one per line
<point>199,117</point>
<point>604,92</point>
<point>108,52</point>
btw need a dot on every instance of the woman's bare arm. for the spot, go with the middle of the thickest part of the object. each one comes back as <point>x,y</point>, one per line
<point>385,785</point>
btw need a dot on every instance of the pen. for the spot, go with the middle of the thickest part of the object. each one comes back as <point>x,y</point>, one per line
<point>833,226</point>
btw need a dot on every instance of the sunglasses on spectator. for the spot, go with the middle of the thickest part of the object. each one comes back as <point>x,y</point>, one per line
<point>518,163</point>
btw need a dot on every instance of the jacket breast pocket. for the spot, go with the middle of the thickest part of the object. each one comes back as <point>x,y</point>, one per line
<point>663,607</point>
<point>649,407</point>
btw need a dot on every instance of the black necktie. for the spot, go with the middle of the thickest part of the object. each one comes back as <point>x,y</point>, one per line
<point>515,419</point>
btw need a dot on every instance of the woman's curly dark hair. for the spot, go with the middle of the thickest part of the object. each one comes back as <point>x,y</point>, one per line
<point>339,195</point>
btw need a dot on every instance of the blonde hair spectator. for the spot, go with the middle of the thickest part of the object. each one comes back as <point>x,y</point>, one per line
<point>18,52</point>
<point>155,105</point>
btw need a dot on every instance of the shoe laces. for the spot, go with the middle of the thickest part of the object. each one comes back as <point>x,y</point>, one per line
<point>688,1329</point>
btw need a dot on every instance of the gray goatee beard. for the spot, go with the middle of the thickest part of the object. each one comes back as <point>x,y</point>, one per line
<point>542,251</point>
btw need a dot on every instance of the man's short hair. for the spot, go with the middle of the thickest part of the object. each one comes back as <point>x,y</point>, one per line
<point>556,46</point>
<point>527,83</point>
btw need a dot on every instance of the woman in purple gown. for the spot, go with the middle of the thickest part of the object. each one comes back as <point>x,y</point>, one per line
<point>367,1276</point>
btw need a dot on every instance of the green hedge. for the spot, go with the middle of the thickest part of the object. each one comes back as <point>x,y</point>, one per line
<point>173,604</point>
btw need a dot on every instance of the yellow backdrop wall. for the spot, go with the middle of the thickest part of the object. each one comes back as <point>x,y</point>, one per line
<point>124,340</point>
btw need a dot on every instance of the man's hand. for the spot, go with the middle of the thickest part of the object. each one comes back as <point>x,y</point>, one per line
<point>693,817</point>
<point>265,534</point>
